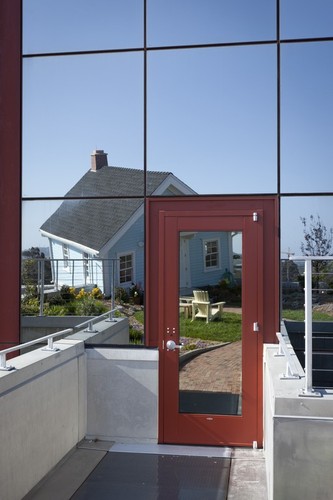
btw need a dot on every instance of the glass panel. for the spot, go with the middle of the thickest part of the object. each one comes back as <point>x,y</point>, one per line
<point>74,106</point>
<point>306,18</point>
<point>210,323</point>
<point>200,21</point>
<point>306,117</point>
<point>306,229</point>
<point>71,264</point>
<point>64,26</point>
<point>212,119</point>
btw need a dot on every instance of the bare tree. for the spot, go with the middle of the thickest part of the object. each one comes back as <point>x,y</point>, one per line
<point>318,241</point>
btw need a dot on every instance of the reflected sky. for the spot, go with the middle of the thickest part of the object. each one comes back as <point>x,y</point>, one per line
<point>212,118</point>
<point>292,209</point>
<point>181,22</point>
<point>306,18</point>
<point>74,105</point>
<point>211,113</point>
<point>306,117</point>
<point>72,25</point>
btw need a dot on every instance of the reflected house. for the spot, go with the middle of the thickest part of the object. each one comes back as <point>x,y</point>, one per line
<point>98,233</point>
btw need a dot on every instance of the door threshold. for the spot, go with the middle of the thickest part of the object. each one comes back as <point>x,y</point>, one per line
<point>171,449</point>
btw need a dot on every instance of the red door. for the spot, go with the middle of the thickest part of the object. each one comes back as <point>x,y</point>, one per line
<point>211,387</point>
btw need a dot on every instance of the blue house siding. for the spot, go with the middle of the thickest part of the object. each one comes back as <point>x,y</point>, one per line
<point>131,242</point>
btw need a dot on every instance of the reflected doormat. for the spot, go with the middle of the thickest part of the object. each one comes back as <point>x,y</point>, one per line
<point>216,403</point>
<point>143,476</point>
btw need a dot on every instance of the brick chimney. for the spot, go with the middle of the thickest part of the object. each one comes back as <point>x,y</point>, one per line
<point>99,159</point>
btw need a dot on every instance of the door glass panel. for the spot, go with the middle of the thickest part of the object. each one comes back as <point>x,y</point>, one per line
<point>210,323</point>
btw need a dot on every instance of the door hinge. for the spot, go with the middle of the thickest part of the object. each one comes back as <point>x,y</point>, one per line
<point>256,326</point>
<point>255,217</point>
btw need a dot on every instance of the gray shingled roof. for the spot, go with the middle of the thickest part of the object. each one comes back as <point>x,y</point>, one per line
<point>93,223</point>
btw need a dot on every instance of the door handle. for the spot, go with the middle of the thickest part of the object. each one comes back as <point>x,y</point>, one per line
<point>171,345</point>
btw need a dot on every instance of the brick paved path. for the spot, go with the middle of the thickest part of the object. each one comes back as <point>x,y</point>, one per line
<point>218,370</point>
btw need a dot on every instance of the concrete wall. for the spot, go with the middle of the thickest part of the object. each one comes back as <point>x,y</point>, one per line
<point>33,327</point>
<point>42,414</point>
<point>298,434</point>
<point>122,397</point>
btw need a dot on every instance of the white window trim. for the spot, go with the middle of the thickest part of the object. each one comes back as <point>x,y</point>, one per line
<point>127,283</point>
<point>212,268</point>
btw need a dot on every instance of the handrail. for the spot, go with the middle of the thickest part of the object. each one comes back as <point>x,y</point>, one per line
<point>51,336</point>
<point>291,369</point>
<point>50,347</point>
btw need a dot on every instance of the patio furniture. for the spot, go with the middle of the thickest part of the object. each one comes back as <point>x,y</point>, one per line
<point>185,306</point>
<point>202,308</point>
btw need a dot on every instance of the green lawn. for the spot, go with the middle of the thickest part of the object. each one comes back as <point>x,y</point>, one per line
<point>299,315</point>
<point>229,329</point>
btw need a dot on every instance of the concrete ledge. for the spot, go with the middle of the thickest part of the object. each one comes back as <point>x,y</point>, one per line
<point>43,414</point>
<point>297,434</point>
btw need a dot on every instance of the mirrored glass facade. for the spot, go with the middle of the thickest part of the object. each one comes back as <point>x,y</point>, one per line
<point>128,99</point>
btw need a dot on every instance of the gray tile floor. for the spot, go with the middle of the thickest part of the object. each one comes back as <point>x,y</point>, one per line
<point>101,470</point>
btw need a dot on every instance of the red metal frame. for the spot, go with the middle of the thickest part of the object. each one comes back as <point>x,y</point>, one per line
<point>268,283</point>
<point>10,170</point>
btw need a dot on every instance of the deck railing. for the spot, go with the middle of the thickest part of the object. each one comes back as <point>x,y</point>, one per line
<point>49,338</point>
<point>308,289</point>
<point>73,272</point>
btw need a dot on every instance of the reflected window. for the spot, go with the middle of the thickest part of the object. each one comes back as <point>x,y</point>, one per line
<point>126,271</point>
<point>212,254</point>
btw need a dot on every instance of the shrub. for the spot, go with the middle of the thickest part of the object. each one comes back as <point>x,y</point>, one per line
<point>96,293</point>
<point>56,299</point>
<point>82,294</point>
<point>121,295</point>
<point>30,307</point>
<point>136,336</point>
<point>88,306</point>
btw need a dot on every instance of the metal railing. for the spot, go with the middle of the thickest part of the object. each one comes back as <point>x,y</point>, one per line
<point>49,338</point>
<point>73,272</point>
<point>308,389</point>
<point>284,350</point>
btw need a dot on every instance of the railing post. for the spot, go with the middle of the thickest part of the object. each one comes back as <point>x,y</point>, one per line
<point>41,288</point>
<point>308,391</point>
<point>50,346</point>
<point>90,328</point>
<point>3,363</point>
